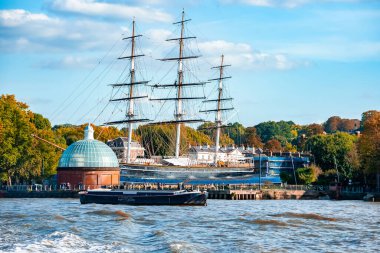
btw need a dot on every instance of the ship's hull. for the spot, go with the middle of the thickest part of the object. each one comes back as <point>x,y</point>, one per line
<point>194,198</point>
<point>148,174</point>
<point>183,173</point>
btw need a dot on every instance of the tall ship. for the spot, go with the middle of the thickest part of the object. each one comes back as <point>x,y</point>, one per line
<point>200,165</point>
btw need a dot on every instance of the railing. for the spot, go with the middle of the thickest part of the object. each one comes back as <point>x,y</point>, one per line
<point>270,187</point>
<point>40,187</point>
<point>352,189</point>
<point>153,186</point>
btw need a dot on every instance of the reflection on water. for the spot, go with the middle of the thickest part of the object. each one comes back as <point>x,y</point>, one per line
<point>64,225</point>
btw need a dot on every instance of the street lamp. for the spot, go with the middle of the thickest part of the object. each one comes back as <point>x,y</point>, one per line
<point>260,171</point>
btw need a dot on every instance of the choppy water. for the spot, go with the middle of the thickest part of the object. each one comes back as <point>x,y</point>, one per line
<point>63,225</point>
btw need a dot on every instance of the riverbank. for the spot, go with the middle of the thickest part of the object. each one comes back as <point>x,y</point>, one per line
<point>230,192</point>
<point>265,194</point>
<point>227,194</point>
<point>39,194</point>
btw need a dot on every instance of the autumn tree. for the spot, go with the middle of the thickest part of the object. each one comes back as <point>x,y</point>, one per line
<point>335,123</point>
<point>306,132</point>
<point>251,138</point>
<point>332,123</point>
<point>273,145</point>
<point>22,157</point>
<point>369,144</point>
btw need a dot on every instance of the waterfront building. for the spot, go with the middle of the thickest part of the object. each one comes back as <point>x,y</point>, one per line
<point>120,147</point>
<point>88,164</point>
<point>206,155</point>
<point>273,163</point>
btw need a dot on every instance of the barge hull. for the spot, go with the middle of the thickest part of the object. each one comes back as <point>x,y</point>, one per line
<point>195,199</point>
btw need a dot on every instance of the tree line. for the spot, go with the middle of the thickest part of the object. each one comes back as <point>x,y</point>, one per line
<point>336,145</point>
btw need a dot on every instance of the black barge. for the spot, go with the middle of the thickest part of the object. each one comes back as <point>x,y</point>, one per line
<point>143,197</point>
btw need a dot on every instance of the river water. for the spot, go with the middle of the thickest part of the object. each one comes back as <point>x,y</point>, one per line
<point>64,225</point>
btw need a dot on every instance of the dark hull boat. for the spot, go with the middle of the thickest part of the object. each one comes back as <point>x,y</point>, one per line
<point>127,197</point>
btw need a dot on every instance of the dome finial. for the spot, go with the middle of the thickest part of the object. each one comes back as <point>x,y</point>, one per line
<point>88,132</point>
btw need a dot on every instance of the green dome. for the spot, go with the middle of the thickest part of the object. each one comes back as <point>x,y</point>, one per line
<point>88,153</point>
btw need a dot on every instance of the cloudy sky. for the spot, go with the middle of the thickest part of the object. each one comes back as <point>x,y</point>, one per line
<point>300,60</point>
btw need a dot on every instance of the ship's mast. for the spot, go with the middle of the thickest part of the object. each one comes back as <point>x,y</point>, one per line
<point>179,85</point>
<point>178,113</point>
<point>218,110</point>
<point>130,98</point>
<point>130,104</point>
<point>218,118</point>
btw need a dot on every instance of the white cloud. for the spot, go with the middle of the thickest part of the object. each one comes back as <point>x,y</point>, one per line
<point>21,30</point>
<point>16,17</point>
<point>110,10</point>
<point>266,3</point>
<point>241,55</point>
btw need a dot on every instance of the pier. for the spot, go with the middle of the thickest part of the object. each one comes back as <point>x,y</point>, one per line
<point>262,194</point>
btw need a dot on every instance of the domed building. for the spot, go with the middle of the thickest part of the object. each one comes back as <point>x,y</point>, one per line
<point>88,164</point>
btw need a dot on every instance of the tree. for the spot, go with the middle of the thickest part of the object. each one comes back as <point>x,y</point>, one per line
<point>236,132</point>
<point>273,145</point>
<point>369,144</point>
<point>313,129</point>
<point>283,131</point>
<point>251,138</point>
<point>209,129</point>
<point>336,123</point>
<point>309,174</point>
<point>332,123</point>
<point>347,125</point>
<point>23,157</point>
<point>334,151</point>
<point>160,139</point>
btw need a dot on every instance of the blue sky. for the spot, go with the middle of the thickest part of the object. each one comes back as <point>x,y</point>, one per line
<point>300,60</point>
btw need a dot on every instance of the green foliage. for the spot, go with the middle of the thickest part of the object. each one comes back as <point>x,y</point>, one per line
<point>275,130</point>
<point>308,175</point>
<point>236,132</point>
<point>160,139</point>
<point>69,133</point>
<point>22,157</point>
<point>157,139</point>
<point>285,132</point>
<point>40,122</point>
<point>208,129</point>
<point>334,150</point>
<point>286,177</point>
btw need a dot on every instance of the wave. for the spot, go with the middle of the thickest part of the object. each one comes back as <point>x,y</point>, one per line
<point>122,215</point>
<point>64,242</point>
<point>268,222</point>
<point>158,233</point>
<point>182,247</point>
<point>312,216</point>
<point>264,222</point>
<point>59,217</point>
